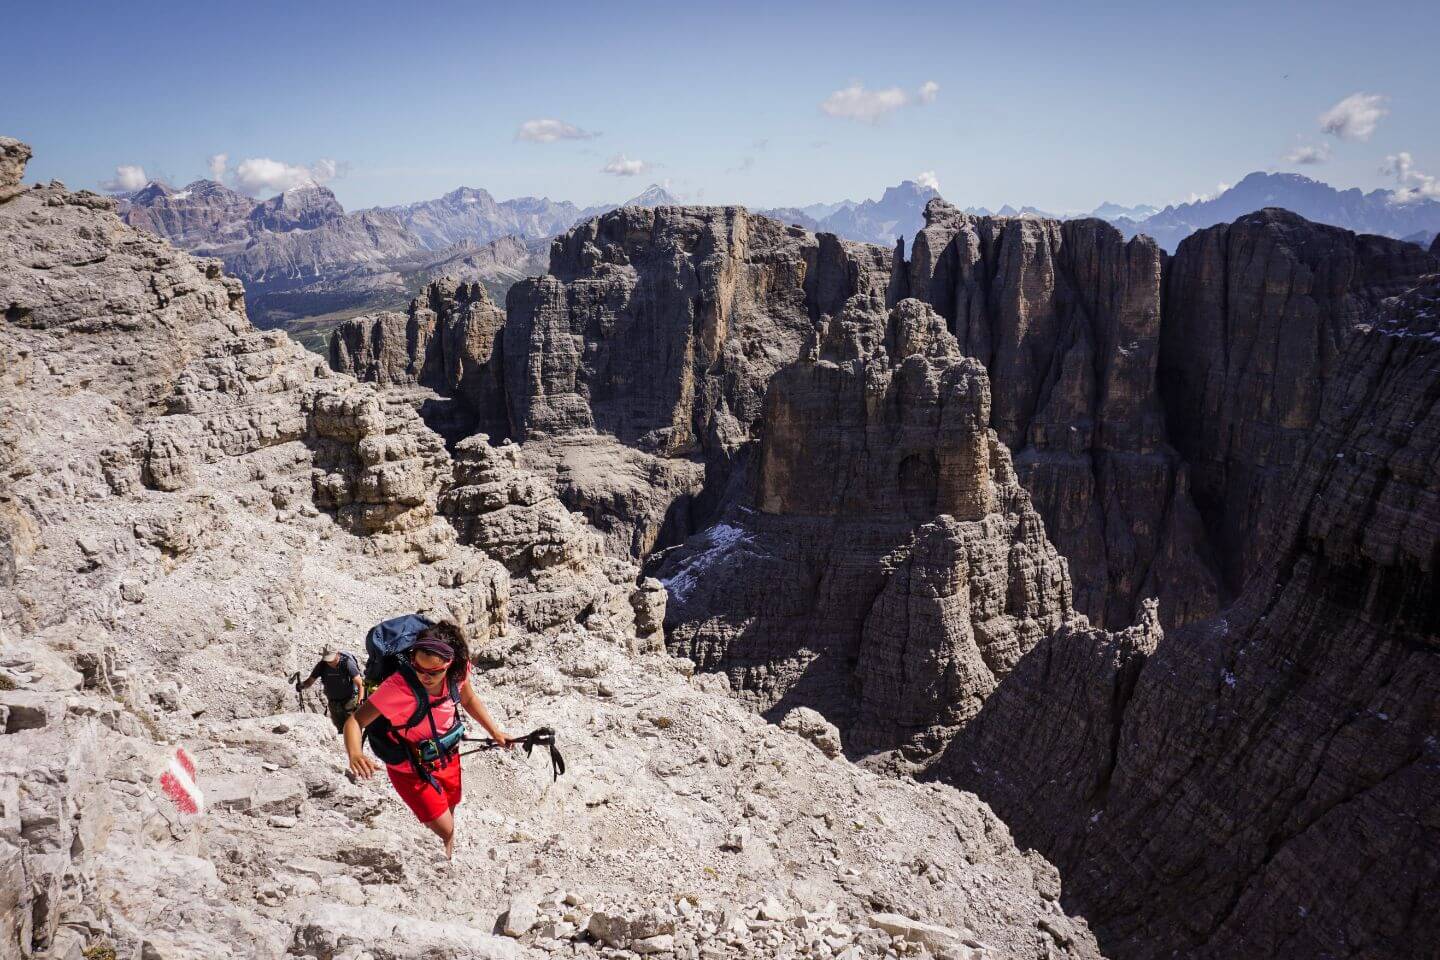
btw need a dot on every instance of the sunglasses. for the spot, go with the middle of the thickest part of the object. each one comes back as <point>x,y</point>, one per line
<point>429,673</point>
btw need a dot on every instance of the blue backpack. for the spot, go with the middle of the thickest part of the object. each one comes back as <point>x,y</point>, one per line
<point>386,641</point>
<point>385,647</point>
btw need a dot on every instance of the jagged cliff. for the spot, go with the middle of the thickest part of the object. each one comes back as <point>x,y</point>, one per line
<point>635,371</point>
<point>887,569</point>
<point>1066,318</point>
<point>875,555</point>
<point>447,341</point>
<point>1262,783</point>
<point>1258,314</point>
<point>190,509</point>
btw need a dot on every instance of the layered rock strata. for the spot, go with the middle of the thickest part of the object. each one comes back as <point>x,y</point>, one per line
<point>1259,314</point>
<point>1066,318</point>
<point>887,568</point>
<point>564,577</point>
<point>1294,737</point>
<point>635,371</point>
<point>449,342</point>
<point>140,620</point>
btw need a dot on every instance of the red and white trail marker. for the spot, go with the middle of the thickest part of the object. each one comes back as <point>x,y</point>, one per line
<point>177,782</point>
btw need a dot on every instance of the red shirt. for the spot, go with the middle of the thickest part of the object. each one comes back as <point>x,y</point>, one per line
<point>397,704</point>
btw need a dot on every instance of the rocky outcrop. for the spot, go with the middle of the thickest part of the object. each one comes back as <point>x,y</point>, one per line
<point>13,157</point>
<point>563,576</point>
<point>1066,318</point>
<point>449,342</point>
<point>150,623</point>
<point>660,329</point>
<point>1258,315</point>
<point>1294,737</point>
<point>684,314</point>
<point>887,569</point>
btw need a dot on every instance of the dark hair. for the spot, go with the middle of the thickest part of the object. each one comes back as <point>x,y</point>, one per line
<point>452,636</point>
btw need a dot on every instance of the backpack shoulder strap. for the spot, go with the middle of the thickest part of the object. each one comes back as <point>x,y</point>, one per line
<point>422,696</point>
<point>454,686</point>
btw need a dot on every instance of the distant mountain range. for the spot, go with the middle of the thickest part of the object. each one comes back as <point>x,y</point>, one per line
<point>899,212</point>
<point>1376,212</point>
<point>302,255</point>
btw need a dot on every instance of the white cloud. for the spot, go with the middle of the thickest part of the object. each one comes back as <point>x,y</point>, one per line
<point>1355,117</point>
<point>927,178</point>
<point>622,166</point>
<point>855,102</point>
<point>1202,197</point>
<point>258,175</point>
<point>1411,184</point>
<point>128,176</point>
<point>217,162</point>
<point>1308,155</point>
<point>547,130</point>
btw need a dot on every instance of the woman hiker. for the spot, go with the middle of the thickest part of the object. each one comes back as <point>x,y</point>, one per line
<point>420,741</point>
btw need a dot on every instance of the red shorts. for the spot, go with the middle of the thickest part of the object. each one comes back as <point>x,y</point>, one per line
<point>425,801</point>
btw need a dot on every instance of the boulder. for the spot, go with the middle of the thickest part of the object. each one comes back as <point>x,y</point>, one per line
<point>13,157</point>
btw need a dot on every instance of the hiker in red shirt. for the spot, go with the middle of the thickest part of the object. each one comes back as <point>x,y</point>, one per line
<point>420,741</point>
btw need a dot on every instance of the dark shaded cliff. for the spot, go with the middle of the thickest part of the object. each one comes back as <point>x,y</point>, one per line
<point>885,565</point>
<point>1267,782</point>
<point>1257,315</point>
<point>1066,318</point>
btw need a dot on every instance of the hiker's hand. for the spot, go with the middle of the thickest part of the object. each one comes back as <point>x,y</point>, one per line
<point>503,740</point>
<point>362,766</point>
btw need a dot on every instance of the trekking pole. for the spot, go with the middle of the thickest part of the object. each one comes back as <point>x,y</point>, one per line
<point>294,679</point>
<point>540,737</point>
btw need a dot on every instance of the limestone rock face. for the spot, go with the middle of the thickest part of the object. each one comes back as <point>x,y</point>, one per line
<point>889,568</point>
<point>166,566</point>
<point>203,213</point>
<point>13,157</point>
<point>1066,319</point>
<point>660,329</point>
<point>562,575</point>
<point>379,469</point>
<point>1259,313</point>
<point>300,208</point>
<point>683,314</point>
<point>448,341</point>
<point>1292,737</point>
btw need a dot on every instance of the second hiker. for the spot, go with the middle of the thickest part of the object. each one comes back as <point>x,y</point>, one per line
<point>339,676</point>
<point>417,729</point>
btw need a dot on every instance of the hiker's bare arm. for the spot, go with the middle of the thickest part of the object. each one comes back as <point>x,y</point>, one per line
<point>359,686</point>
<point>360,765</point>
<point>476,709</point>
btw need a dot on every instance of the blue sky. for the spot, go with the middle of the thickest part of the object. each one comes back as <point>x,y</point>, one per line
<point>1046,104</point>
